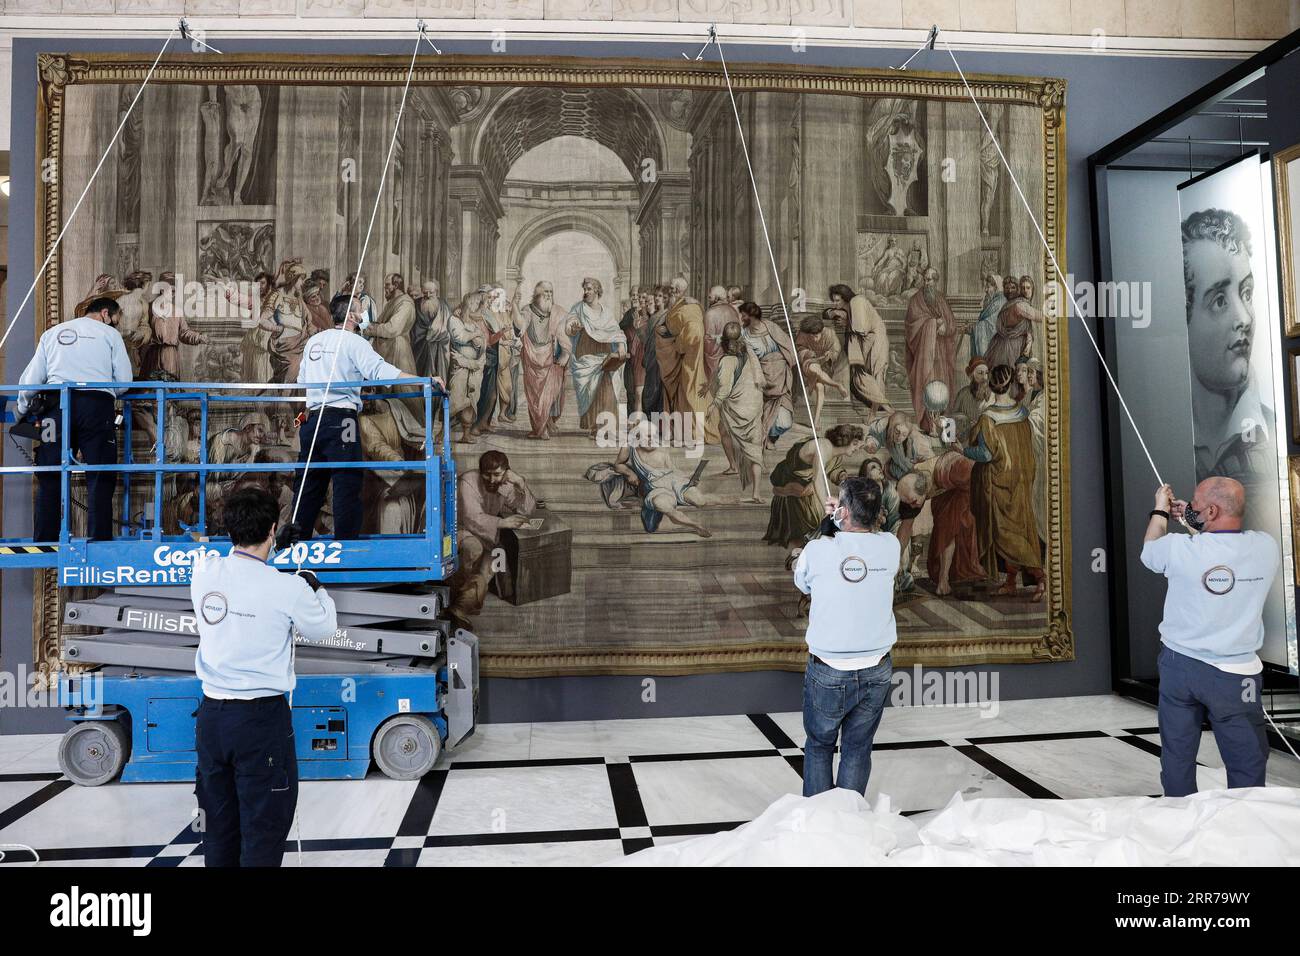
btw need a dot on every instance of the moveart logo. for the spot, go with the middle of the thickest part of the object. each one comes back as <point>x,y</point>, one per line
<point>214,607</point>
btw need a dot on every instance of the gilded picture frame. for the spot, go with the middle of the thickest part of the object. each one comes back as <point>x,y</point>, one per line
<point>1288,242</point>
<point>1293,473</point>
<point>1054,641</point>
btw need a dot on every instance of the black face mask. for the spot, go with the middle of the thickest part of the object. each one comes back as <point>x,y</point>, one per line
<point>1193,519</point>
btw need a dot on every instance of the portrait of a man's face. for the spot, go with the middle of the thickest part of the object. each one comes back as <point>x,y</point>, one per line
<point>1220,309</point>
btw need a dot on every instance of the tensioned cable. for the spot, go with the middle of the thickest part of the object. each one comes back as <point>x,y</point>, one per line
<point>194,38</point>
<point>1280,734</point>
<point>352,291</point>
<point>85,192</point>
<point>1055,265</point>
<point>352,294</point>
<point>1070,292</point>
<point>767,239</point>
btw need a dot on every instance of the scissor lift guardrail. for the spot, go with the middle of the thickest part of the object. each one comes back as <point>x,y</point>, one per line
<point>150,556</point>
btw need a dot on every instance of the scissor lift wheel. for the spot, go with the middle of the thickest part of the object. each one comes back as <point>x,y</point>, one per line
<point>94,752</point>
<point>407,746</point>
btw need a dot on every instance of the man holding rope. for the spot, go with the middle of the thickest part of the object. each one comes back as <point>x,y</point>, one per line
<point>1213,627</point>
<point>336,355</point>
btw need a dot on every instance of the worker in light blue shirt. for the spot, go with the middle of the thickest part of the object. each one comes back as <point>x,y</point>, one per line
<point>849,573</point>
<point>335,355</point>
<point>246,775</point>
<point>1213,628</point>
<point>87,348</point>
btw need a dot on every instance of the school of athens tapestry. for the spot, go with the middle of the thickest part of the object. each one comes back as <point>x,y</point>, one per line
<point>575,247</point>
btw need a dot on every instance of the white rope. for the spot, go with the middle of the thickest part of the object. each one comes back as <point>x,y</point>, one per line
<point>1070,293</point>
<point>776,276</point>
<point>185,32</point>
<point>1279,731</point>
<point>1055,265</point>
<point>352,292</point>
<point>425,37</point>
<point>927,45</point>
<point>111,143</point>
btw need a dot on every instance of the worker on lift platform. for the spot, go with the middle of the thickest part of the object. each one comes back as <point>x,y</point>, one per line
<point>87,348</point>
<point>335,355</point>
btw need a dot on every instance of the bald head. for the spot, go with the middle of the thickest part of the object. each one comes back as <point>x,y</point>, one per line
<point>1221,502</point>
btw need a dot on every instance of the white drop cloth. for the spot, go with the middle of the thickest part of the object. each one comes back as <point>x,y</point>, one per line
<point>1247,827</point>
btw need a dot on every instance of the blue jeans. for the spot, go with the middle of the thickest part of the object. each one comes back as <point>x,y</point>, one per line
<point>844,706</point>
<point>1191,690</point>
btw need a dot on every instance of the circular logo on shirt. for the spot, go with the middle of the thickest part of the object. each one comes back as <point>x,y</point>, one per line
<point>213,607</point>
<point>315,352</point>
<point>853,569</point>
<point>1220,579</point>
<point>66,337</point>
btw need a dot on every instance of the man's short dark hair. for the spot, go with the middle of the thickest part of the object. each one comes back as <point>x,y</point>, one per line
<point>843,292</point>
<point>493,460</point>
<point>248,516</point>
<point>862,497</point>
<point>102,303</point>
<point>339,308</point>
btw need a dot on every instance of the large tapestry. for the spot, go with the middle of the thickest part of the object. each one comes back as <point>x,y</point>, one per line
<point>575,247</point>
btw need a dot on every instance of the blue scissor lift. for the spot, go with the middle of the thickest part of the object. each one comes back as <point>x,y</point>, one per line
<point>395,683</point>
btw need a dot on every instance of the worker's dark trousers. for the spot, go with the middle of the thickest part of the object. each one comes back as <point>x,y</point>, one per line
<point>1190,690</point>
<point>94,442</point>
<point>339,440</point>
<point>246,780</point>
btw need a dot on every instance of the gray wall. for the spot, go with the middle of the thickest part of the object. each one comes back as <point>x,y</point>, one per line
<point>1145,247</point>
<point>1107,96</point>
<point>1281,80</point>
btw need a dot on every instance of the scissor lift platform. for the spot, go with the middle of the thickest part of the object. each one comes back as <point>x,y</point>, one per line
<point>395,683</point>
<point>396,693</point>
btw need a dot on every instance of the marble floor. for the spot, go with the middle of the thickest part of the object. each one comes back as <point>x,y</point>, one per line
<point>581,792</point>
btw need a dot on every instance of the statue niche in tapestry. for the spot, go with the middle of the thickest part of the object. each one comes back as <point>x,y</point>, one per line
<point>239,134</point>
<point>895,153</point>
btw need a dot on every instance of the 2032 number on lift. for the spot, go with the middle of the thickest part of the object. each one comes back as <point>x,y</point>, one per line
<point>311,552</point>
